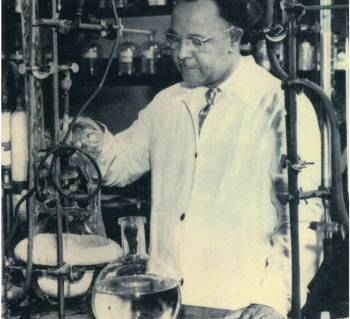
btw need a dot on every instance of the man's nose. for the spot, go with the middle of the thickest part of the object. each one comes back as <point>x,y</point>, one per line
<point>184,50</point>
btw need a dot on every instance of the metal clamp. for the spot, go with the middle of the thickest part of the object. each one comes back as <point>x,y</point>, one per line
<point>286,163</point>
<point>40,72</point>
<point>331,227</point>
<point>275,33</point>
<point>72,273</point>
<point>293,84</point>
<point>297,8</point>
<point>43,71</point>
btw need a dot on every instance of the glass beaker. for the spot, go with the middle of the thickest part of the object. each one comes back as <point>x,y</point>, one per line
<point>135,286</point>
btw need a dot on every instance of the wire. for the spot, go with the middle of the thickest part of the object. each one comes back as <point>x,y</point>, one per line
<point>16,214</point>
<point>57,150</point>
<point>114,49</point>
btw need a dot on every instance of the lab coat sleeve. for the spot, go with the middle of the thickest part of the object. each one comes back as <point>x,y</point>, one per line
<point>125,157</point>
<point>275,288</point>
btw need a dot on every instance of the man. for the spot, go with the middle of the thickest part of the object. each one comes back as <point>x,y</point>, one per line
<point>213,144</point>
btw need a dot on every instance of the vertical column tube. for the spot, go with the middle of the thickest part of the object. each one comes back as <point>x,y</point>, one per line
<point>292,146</point>
<point>60,261</point>
<point>326,82</point>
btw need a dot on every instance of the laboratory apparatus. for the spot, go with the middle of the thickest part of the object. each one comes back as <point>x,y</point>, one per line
<point>84,240</point>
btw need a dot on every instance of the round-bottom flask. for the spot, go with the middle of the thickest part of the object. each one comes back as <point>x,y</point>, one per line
<point>135,286</point>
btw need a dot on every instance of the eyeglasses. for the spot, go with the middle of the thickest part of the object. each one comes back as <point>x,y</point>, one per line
<point>196,44</point>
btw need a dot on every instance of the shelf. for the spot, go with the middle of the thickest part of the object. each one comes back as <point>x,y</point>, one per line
<point>159,80</point>
<point>141,11</point>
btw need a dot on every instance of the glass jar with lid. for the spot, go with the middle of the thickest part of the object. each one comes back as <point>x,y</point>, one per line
<point>128,52</point>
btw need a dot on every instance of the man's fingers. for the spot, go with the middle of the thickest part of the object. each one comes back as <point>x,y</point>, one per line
<point>234,314</point>
<point>249,313</point>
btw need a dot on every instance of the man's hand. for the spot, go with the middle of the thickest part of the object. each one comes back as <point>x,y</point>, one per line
<point>255,311</point>
<point>88,134</point>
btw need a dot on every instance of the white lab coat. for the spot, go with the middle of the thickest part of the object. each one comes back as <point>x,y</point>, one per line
<point>215,217</point>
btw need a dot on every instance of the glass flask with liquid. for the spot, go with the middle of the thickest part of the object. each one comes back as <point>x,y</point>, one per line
<point>135,286</point>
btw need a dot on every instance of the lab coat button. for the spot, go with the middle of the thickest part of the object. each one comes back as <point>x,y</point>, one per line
<point>182,217</point>
<point>195,155</point>
<point>181,282</point>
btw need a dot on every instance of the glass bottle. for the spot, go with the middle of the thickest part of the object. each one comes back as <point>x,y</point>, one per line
<point>90,61</point>
<point>306,56</point>
<point>135,286</point>
<point>150,54</point>
<point>127,53</point>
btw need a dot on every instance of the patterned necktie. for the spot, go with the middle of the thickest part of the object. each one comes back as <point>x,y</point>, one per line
<point>210,96</point>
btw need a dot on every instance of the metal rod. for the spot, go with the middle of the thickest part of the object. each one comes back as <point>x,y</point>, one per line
<point>292,146</point>
<point>94,27</point>
<point>327,7</point>
<point>60,278</point>
<point>3,282</point>
<point>136,31</point>
<point>347,90</point>
<point>31,140</point>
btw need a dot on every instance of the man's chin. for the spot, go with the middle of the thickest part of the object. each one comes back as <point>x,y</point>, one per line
<point>190,82</point>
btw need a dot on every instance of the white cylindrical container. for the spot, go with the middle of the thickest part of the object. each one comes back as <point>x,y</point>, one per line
<point>19,145</point>
<point>6,138</point>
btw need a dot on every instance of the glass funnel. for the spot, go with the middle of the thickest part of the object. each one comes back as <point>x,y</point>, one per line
<point>135,286</point>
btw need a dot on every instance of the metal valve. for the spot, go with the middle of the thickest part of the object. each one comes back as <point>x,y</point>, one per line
<point>74,67</point>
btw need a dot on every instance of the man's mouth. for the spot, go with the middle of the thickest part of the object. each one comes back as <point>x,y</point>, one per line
<point>187,67</point>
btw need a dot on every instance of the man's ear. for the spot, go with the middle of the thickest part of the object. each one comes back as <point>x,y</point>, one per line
<point>236,36</point>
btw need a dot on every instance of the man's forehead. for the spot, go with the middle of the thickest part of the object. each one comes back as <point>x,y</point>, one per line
<point>195,18</point>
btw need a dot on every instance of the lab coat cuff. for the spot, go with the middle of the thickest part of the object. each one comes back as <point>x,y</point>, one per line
<point>274,297</point>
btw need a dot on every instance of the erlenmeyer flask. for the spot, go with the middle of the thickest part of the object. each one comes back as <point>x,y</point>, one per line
<point>135,286</point>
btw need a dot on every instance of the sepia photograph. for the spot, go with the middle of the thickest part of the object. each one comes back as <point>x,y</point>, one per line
<point>174,159</point>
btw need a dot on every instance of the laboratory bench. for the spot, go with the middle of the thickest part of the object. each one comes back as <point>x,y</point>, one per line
<point>186,312</point>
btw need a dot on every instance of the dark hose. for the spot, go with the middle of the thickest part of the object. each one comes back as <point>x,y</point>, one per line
<point>337,192</point>
<point>56,185</point>
<point>16,215</point>
<point>279,72</point>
